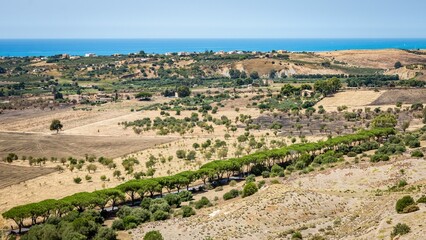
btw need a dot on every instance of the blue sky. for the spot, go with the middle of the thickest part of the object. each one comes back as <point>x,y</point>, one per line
<point>213,19</point>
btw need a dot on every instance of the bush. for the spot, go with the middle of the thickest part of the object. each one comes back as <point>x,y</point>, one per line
<point>130,222</point>
<point>265,174</point>
<point>187,211</point>
<point>352,154</point>
<point>231,194</point>
<point>417,154</point>
<point>173,199</point>
<point>277,169</point>
<point>160,215</point>
<point>390,149</point>
<point>400,229</point>
<point>181,154</point>
<point>296,235</point>
<point>159,204</point>
<point>412,141</point>
<point>146,203</point>
<point>232,183</point>
<point>77,180</point>
<point>328,157</point>
<point>124,212</point>
<point>141,215</point>
<point>185,196</point>
<point>153,235</point>
<point>379,157</point>
<point>202,203</point>
<point>402,183</point>
<point>118,224</point>
<point>105,234</point>
<point>275,181</point>
<point>249,189</point>
<point>404,202</point>
<point>260,184</point>
<point>250,178</point>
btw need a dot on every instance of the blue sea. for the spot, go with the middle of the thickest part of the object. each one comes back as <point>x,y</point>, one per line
<point>49,47</point>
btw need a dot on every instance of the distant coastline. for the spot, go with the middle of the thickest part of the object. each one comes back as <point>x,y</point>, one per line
<point>105,47</point>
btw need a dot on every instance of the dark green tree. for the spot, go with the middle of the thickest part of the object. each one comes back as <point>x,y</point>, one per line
<point>183,91</point>
<point>56,125</point>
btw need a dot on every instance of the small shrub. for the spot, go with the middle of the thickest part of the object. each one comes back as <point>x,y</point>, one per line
<point>160,215</point>
<point>153,235</point>
<point>146,203</point>
<point>402,183</point>
<point>77,180</point>
<point>231,194</point>
<point>118,224</point>
<point>173,199</point>
<point>260,184</point>
<point>296,235</point>
<point>417,154</point>
<point>249,189</point>
<point>187,211</point>
<point>232,183</point>
<point>202,203</point>
<point>250,178</point>
<point>185,196</point>
<point>379,157</point>
<point>352,154</point>
<point>275,181</point>
<point>124,212</point>
<point>404,202</point>
<point>265,174</point>
<point>400,229</point>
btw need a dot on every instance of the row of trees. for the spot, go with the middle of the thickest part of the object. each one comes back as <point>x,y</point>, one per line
<point>215,170</point>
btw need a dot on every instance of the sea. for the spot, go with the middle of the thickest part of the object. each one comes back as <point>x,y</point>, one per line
<point>80,47</point>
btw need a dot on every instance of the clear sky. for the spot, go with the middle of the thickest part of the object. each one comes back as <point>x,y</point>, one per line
<point>213,19</point>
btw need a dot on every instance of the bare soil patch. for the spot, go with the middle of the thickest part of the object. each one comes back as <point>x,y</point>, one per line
<point>11,174</point>
<point>407,96</point>
<point>43,145</point>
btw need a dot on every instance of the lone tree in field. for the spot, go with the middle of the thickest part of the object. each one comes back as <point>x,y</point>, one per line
<point>56,125</point>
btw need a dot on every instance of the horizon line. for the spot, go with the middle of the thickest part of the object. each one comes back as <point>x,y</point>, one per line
<point>219,38</point>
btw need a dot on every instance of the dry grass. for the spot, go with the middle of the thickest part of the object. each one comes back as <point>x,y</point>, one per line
<point>384,59</point>
<point>338,203</point>
<point>351,99</point>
